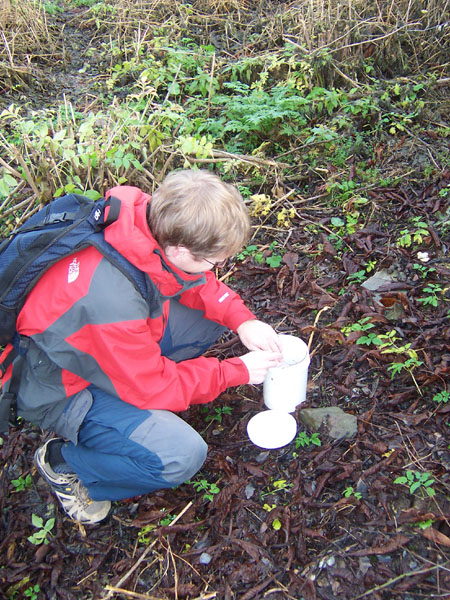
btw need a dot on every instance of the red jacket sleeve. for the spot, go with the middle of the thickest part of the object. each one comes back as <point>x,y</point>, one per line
<point>132,361</point>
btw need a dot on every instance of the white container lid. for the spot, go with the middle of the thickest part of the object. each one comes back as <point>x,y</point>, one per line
<point>294,350</point>
<point>272,429</point>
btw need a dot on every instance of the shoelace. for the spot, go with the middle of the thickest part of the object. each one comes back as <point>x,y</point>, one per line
<point>81,493</point>
<point>67,478</point>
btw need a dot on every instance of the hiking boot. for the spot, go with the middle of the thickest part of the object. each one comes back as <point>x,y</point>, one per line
<point>71,493</point>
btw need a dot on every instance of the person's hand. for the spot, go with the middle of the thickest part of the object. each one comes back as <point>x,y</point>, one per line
<point>256,335</point>
<point>259,362</point>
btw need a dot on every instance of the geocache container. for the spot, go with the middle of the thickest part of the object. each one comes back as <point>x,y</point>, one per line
<point>285,385</point>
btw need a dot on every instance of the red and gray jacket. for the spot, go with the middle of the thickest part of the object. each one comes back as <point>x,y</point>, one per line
<point>87,324</point>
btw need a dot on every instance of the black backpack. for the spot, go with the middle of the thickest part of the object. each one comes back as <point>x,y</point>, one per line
<point>64,226</point>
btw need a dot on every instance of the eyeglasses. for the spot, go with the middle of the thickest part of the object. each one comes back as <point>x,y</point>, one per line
<point>218,264</point>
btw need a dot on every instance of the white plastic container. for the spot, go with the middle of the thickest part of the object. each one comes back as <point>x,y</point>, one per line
<point>285,385</point>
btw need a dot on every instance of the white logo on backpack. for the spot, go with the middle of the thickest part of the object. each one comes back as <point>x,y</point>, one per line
<point>74,271</point>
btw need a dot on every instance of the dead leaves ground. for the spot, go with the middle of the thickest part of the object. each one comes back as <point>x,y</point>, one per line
<point>303,538</point>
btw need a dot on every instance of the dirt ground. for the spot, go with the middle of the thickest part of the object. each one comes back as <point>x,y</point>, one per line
<point>304,521</point>
<point>258,538</point>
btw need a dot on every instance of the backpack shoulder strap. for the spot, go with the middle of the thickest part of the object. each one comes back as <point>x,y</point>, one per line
<point>114,205</point>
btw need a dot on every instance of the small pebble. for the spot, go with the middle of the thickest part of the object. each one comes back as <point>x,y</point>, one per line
<point>205,558</point>
<point>249,491</point>
<point>262,456</point>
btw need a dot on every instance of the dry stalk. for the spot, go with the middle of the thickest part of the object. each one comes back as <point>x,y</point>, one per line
<point>130,594</point>
<point>112,591</point>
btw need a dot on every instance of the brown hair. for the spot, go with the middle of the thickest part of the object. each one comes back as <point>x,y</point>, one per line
<point>196,209</point>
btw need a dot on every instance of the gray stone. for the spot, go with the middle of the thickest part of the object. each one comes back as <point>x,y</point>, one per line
<point>249,491</point>
<point>377,280</point>
<point>338,423</point>
<point>205,558</point>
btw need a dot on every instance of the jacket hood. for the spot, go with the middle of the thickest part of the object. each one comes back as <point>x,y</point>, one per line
<point>131,236</point>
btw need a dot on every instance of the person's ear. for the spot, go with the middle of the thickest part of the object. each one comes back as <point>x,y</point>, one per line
<point>174,252</point>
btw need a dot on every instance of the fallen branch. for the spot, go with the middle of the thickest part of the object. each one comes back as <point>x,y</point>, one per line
<point>117,590</point>
<point>394,580</point>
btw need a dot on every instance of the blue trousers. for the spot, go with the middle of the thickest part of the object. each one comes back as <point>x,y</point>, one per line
<point>123,451</point>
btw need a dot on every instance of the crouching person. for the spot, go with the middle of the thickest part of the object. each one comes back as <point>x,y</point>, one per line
<point>107,370</point>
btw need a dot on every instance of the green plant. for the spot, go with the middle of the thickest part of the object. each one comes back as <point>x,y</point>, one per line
<point>415,481</point>
<point>442,396</point>
<point>285,216</point>
<point>249,250</point>
<point>203,485</point>
<point>200,147</point>
<point>357,277</point>
<point>423,270</point>
<point>351,223</point>
<point>274,260</point>
<point>424,524</point>
<point>419,231</point>
<point>389,346</point>
<point>362,325</point>
<point>7,184</point>
<point>349,491</point>
<point>218,413</point>
<point>32,592</point>
<point>276,486</point>
<point>431,299</point>
<point>336,240</point>
<point>52,8</point>
<point>341,191</point>
<point>44,530</point>
<point>22,483</point>
<point>370,338</point>
<point>143,537</point>
<point>303,439</point>
<point>167,520</point>
<point>276,524</point>
<point>409,364</point>
<point>250,116</point>
<point>370,265</point>
<point>51,152</point>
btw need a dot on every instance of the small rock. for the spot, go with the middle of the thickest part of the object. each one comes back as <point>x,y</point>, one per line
<point>376,281</point>
<point>205,558</point>
<point>249,491</point>
<point>361,486</point>
<point>262,456</point>
<point>339,423</point>
<point>364,564</point>
<point>384,559</point>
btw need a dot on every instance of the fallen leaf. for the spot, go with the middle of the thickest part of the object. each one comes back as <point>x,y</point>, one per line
<point>290,259</point>
<point>388,301</point>
<point>397,542</point>
<point>436,536</point>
